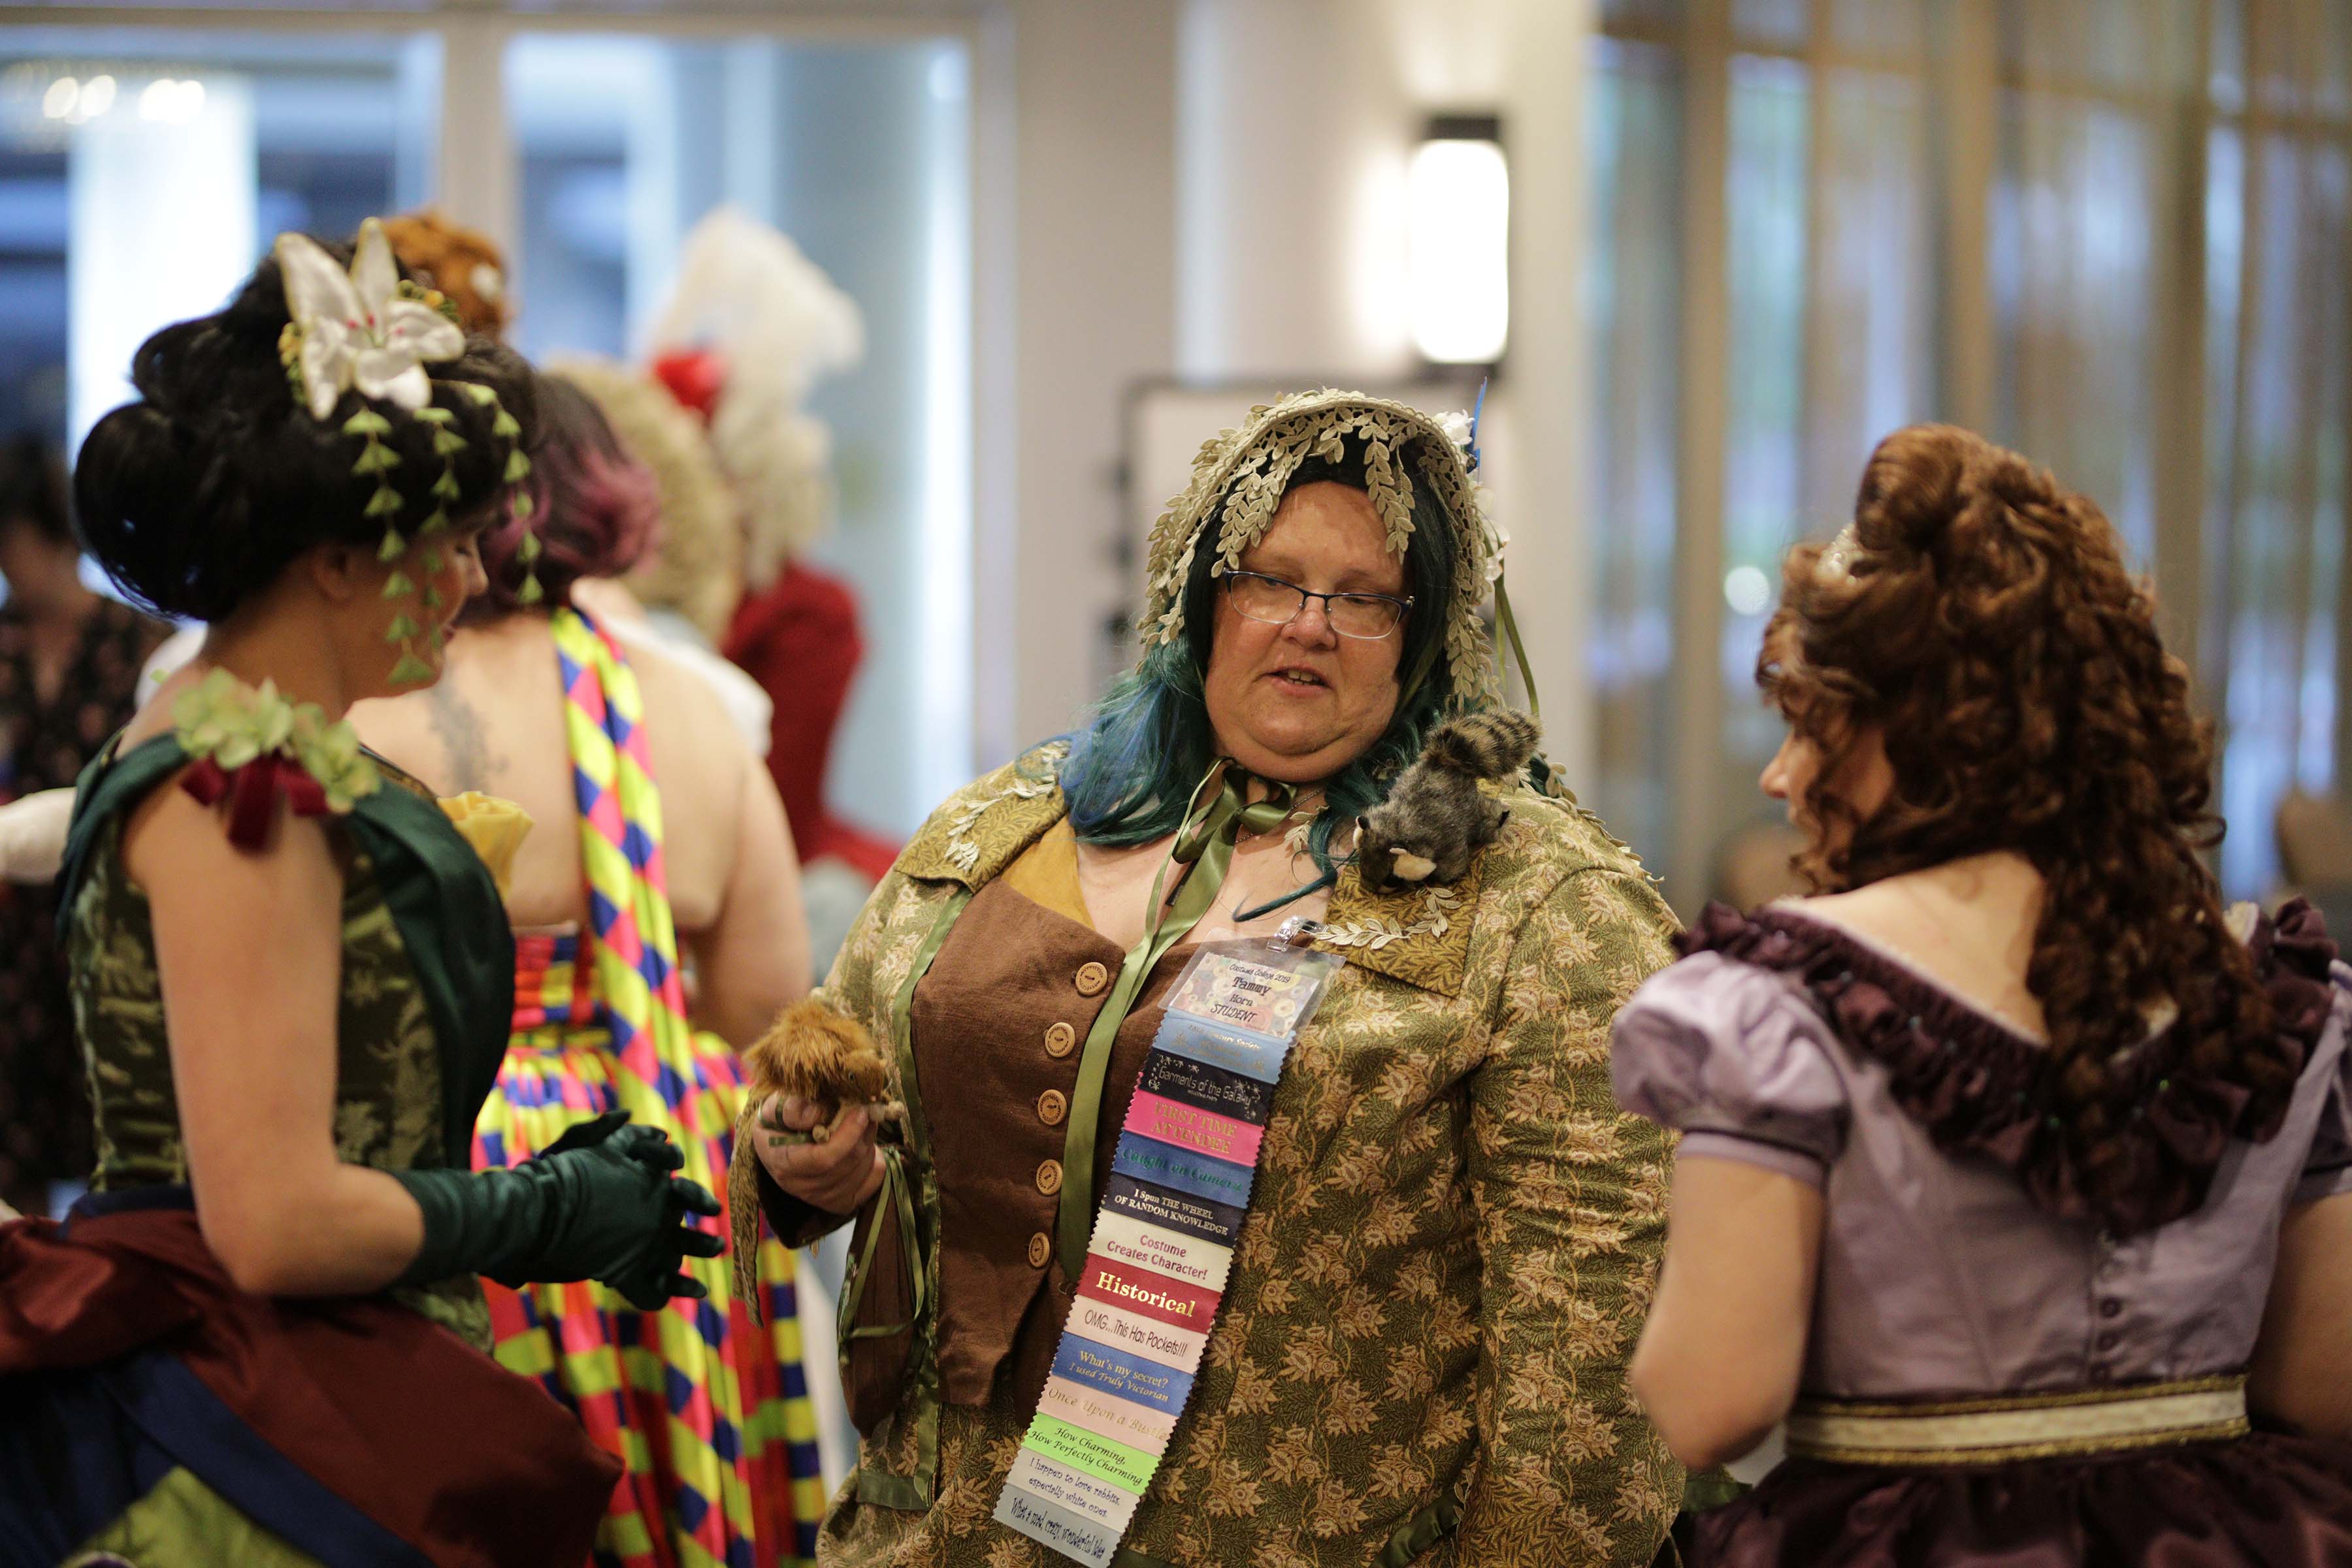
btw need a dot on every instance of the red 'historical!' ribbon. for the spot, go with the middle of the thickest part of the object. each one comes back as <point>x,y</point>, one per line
<point>253,791</point>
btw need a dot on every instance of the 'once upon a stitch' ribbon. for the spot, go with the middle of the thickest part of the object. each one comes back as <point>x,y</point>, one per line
<point>252,792</point>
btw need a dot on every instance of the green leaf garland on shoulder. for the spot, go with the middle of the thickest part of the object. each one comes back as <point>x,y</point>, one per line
<point>222,719</point>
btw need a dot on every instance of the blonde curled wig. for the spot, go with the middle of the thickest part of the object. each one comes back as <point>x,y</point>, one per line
<point>1979,616</point>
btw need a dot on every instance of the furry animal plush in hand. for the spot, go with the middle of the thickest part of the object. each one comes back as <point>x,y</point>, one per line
<point>816,1054</point>
<point>822,1056</point>
<point>1437,818</point>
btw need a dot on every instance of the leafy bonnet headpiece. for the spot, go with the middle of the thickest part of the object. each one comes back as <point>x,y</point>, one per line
<point>370,332</point>
<point>1238,479</point>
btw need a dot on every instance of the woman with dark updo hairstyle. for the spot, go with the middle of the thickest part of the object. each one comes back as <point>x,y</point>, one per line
<point>657,926</point>
<point>2016,1172</point>
<point>256,1340</point>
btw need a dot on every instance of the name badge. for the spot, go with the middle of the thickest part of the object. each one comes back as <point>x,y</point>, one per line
<point>1245,990</point>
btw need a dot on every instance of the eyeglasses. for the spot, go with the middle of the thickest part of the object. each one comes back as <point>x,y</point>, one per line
<point>1260,597</point>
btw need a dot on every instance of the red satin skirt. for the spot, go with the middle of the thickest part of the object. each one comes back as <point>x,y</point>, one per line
<point>354,1429</point>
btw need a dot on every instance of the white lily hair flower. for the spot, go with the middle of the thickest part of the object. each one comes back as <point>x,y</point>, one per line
<point>355,329</point>
<point>1457,427</point>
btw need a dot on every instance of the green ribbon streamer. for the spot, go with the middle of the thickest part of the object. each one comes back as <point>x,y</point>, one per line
<point>1510,626</point>
<point>1205,843</point>
<point>1506,628</point>
<point>896,1201</point>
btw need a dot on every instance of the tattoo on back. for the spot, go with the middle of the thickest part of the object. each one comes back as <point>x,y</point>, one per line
<point>461,728</point>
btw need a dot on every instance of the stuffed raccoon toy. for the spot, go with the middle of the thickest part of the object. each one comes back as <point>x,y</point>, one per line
<point>1437,818</point>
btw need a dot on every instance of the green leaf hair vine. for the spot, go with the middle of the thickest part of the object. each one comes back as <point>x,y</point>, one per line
<point>370,330</point>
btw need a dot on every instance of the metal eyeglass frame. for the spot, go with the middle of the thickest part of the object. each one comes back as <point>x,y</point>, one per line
<point>1402,602</point>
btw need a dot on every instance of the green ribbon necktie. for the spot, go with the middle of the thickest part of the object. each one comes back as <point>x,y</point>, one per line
<point>1205,844</point>
<point>1506,624</point>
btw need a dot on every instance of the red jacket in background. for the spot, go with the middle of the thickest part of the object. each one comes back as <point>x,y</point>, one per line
<point>798,638</point>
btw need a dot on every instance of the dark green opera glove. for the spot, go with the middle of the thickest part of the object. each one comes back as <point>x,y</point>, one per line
<point>598,1203</point>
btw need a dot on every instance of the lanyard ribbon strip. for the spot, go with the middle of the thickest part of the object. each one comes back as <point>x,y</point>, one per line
<point>1155,1267</point>
<point>1152,1262</point>
<point>1204,845</point>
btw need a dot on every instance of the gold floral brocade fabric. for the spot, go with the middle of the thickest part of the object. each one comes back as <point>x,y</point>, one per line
<point>1453,1240</point>
<point>388,1083</point>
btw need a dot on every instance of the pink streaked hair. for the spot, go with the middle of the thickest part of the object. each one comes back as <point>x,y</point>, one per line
<point>595,509</point>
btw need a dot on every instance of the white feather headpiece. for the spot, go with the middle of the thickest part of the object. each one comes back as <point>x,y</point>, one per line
<point>747,292</point>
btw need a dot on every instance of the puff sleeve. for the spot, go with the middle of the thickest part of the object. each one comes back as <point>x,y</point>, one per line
<point>1736,1058</point>
<point>2327,1170</point>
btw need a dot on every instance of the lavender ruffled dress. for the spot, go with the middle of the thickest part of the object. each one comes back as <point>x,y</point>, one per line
<point>1956,1260</point>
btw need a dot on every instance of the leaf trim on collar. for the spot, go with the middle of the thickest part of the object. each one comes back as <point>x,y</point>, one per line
<point>971,837</point>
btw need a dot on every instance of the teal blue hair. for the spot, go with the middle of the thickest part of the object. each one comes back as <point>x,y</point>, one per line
<point>1133,765</point>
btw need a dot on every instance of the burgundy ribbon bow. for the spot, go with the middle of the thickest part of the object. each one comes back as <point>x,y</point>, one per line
<point>253,791</point>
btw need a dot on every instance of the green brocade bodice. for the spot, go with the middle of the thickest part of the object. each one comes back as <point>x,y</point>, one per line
<point>422,1013</point>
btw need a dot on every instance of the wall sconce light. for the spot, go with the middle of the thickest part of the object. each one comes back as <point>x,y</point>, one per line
<point>1458,240</point>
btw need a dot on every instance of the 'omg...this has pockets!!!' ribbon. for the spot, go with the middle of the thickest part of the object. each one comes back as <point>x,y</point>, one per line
<point>1162,1248</point>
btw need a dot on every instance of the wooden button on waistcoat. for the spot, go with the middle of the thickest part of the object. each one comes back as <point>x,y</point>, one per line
<point>1049,1177</point>
<point>1041,1248</point>
<point>1061,1040</point>
<point>1091,978</point>
<point>1052,1106</point>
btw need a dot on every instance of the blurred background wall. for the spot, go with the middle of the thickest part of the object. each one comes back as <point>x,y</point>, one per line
<point>1745,238</point>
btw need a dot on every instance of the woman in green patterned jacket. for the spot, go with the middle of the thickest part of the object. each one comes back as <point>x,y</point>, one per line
<point>1420,1353</point>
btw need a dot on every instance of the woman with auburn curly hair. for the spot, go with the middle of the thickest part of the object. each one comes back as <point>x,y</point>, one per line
<point>2015,1169</point>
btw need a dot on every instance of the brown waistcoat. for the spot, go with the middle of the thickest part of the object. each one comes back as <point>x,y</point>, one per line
<point>999,1023</point>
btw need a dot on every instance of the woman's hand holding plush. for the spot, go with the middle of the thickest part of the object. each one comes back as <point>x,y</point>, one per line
<point>836,1174</point>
